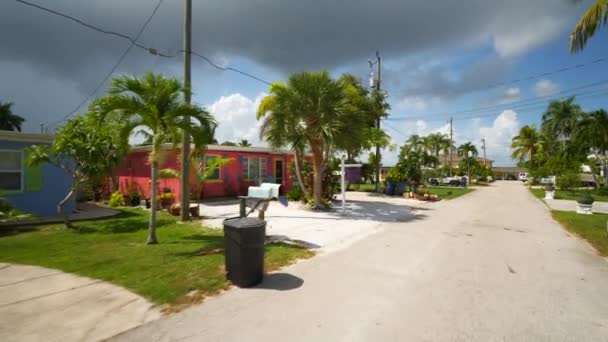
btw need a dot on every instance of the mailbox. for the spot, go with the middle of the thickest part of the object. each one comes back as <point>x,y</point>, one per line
<point>259,192</point>
<point>276,190</point>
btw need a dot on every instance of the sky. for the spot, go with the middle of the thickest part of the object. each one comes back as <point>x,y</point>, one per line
<point>491,65</point>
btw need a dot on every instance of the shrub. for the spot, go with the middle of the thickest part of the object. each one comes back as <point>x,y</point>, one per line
<point>602,191</point>
<point>568,181</point>
<point>295,194</point>
<point>585,199</point>
<point>116,199</point>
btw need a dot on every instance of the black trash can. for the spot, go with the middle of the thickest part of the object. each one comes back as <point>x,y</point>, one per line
<point>244,250</point>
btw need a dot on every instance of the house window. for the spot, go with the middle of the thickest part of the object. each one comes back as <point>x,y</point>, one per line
<point>11,171</point>
<point>216,173</point>
<point>254,168</point>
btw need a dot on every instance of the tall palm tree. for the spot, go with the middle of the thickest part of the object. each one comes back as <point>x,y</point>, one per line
<point>244,143</point>
<point>591,134</point>
<point>596,16</point>
<point>155,103</point>
<point>435,143</point>
<point>416,142</point>
<point>308,111</point>
<point>8,120</point>
<point>466,151</point>
<point>526,144</point>
<point>560,119</point>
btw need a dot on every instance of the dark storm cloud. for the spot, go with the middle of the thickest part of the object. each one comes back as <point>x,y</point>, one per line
<point>287,35</point>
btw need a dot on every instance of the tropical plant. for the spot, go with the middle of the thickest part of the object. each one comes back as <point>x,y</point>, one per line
<point>307,111</point>
<point>244,143</point>
<point>560,120</point>
<point>202,170</point>
<point>228,143</point>
<point>8,120</point>
<point>86,148</point>
<point>466,151</point>
<point>596,16</point>
<point>526,144</point>
<point>116,199</point>
<point>154,103</point>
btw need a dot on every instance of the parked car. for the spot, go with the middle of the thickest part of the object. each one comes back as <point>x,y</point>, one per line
<point>453,181</point>
<point>523,176</point>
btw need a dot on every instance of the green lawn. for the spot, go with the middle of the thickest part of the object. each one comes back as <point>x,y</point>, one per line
<point>448,193</point>
<point>590,227</point>
<point>570,195</point>
<point>187,258</point>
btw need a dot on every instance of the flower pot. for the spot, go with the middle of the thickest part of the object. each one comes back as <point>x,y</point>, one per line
<point>390,188</point>
<point>585,209</point>
<point>400,188</point>
<point>549,194</point>
<point>134,200</point>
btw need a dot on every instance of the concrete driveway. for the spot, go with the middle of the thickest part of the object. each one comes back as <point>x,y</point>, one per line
<point>40,304</point>
<point>490,266</point>
<point>326,231</point>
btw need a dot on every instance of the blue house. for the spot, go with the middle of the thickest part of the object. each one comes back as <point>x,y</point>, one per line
<point>34,190</point>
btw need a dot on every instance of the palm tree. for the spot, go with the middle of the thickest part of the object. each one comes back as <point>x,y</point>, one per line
<point>154,103</point>
<point>526,144</point>
<point>435,143</point>
<point>447,146</point>
<point>244,143</point>
<point>305,112</point>
<point>8,120</point>
<point>463,151</point>
<point>560,119</point>
<point>416,143</point>
<point>596,16</point>
<point>591,134</point>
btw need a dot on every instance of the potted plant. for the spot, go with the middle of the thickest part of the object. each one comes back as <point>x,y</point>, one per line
<point>584,204</point>
<point>549,192</point>
<point>166,199</point>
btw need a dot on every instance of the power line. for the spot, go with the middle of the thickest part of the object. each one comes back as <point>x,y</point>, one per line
<point>134,42</point>
<point>531,100</point>
<point>122,57</point>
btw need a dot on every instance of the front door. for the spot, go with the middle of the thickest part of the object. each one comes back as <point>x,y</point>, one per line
<point>278,171</point>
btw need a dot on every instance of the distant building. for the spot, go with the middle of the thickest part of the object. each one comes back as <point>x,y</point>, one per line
<point>455,159</point>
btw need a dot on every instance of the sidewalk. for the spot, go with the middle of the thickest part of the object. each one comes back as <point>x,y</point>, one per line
<point>568,205</point>
<point>85,211</point>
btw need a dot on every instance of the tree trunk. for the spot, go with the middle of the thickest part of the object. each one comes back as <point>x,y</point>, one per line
<point>317,161</point>
<point>152,227</point>
<point>297,158</point>
<point>60,211</point>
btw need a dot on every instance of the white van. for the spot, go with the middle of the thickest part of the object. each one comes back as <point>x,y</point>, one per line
<point>523,176</point>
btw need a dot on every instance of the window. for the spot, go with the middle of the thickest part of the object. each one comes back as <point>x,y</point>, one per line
<point>254,168</point>
<point>11,171</point>
<point>216,174</point>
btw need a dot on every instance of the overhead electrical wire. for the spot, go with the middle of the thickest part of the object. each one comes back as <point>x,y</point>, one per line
<point>114,67</point>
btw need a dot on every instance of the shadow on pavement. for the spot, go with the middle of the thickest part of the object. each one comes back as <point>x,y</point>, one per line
<point>280,282</point>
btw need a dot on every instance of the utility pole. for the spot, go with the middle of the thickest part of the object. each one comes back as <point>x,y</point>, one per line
<point>378,62</point>
<point>451,144</point>
<point>483,146</point>
<point>185,174</point>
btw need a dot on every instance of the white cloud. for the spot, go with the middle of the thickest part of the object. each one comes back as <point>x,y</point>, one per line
<point>513,41</point>
<point>498,137</point>
<point>509,96</point>
<point>235,114</point>
<point>545,88</point>
<point>415,103</point>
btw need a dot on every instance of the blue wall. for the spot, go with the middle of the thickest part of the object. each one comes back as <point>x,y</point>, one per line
<point>55,186</point>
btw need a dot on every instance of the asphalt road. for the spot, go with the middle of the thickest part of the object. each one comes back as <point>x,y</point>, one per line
<point>490,266</point>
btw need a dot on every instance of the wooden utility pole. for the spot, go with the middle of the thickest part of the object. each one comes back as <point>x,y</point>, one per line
<point>185,174</point>
<point>483,146</point>
<point>451,150</point>
<point>378,119</point>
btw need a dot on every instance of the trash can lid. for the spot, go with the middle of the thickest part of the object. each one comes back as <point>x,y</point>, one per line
<point>244,222</point>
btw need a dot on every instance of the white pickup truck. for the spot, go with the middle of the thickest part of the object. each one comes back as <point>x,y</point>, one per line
<point>454,181</point>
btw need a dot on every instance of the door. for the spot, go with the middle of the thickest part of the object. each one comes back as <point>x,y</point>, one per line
<point>278,171</point>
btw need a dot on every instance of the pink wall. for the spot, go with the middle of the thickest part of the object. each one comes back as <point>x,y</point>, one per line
<point>136,168</point>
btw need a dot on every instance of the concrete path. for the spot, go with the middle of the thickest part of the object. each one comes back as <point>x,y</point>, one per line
<point>40,304</point>
<point>326,231</point>
<point>567,205</point>
<point>490,266</point>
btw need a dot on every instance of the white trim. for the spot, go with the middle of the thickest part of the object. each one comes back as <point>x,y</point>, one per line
<point>26,137</point>
<point>22,170</point>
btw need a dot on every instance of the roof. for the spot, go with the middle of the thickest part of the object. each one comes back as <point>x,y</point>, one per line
<point>508,169</point>
<point>26,137</point>
<point>250,149</point>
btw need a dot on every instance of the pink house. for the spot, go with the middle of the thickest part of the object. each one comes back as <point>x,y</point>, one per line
<point>249,166</point>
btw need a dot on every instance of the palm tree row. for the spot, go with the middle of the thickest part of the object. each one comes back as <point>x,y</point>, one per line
<point>567,137</point>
